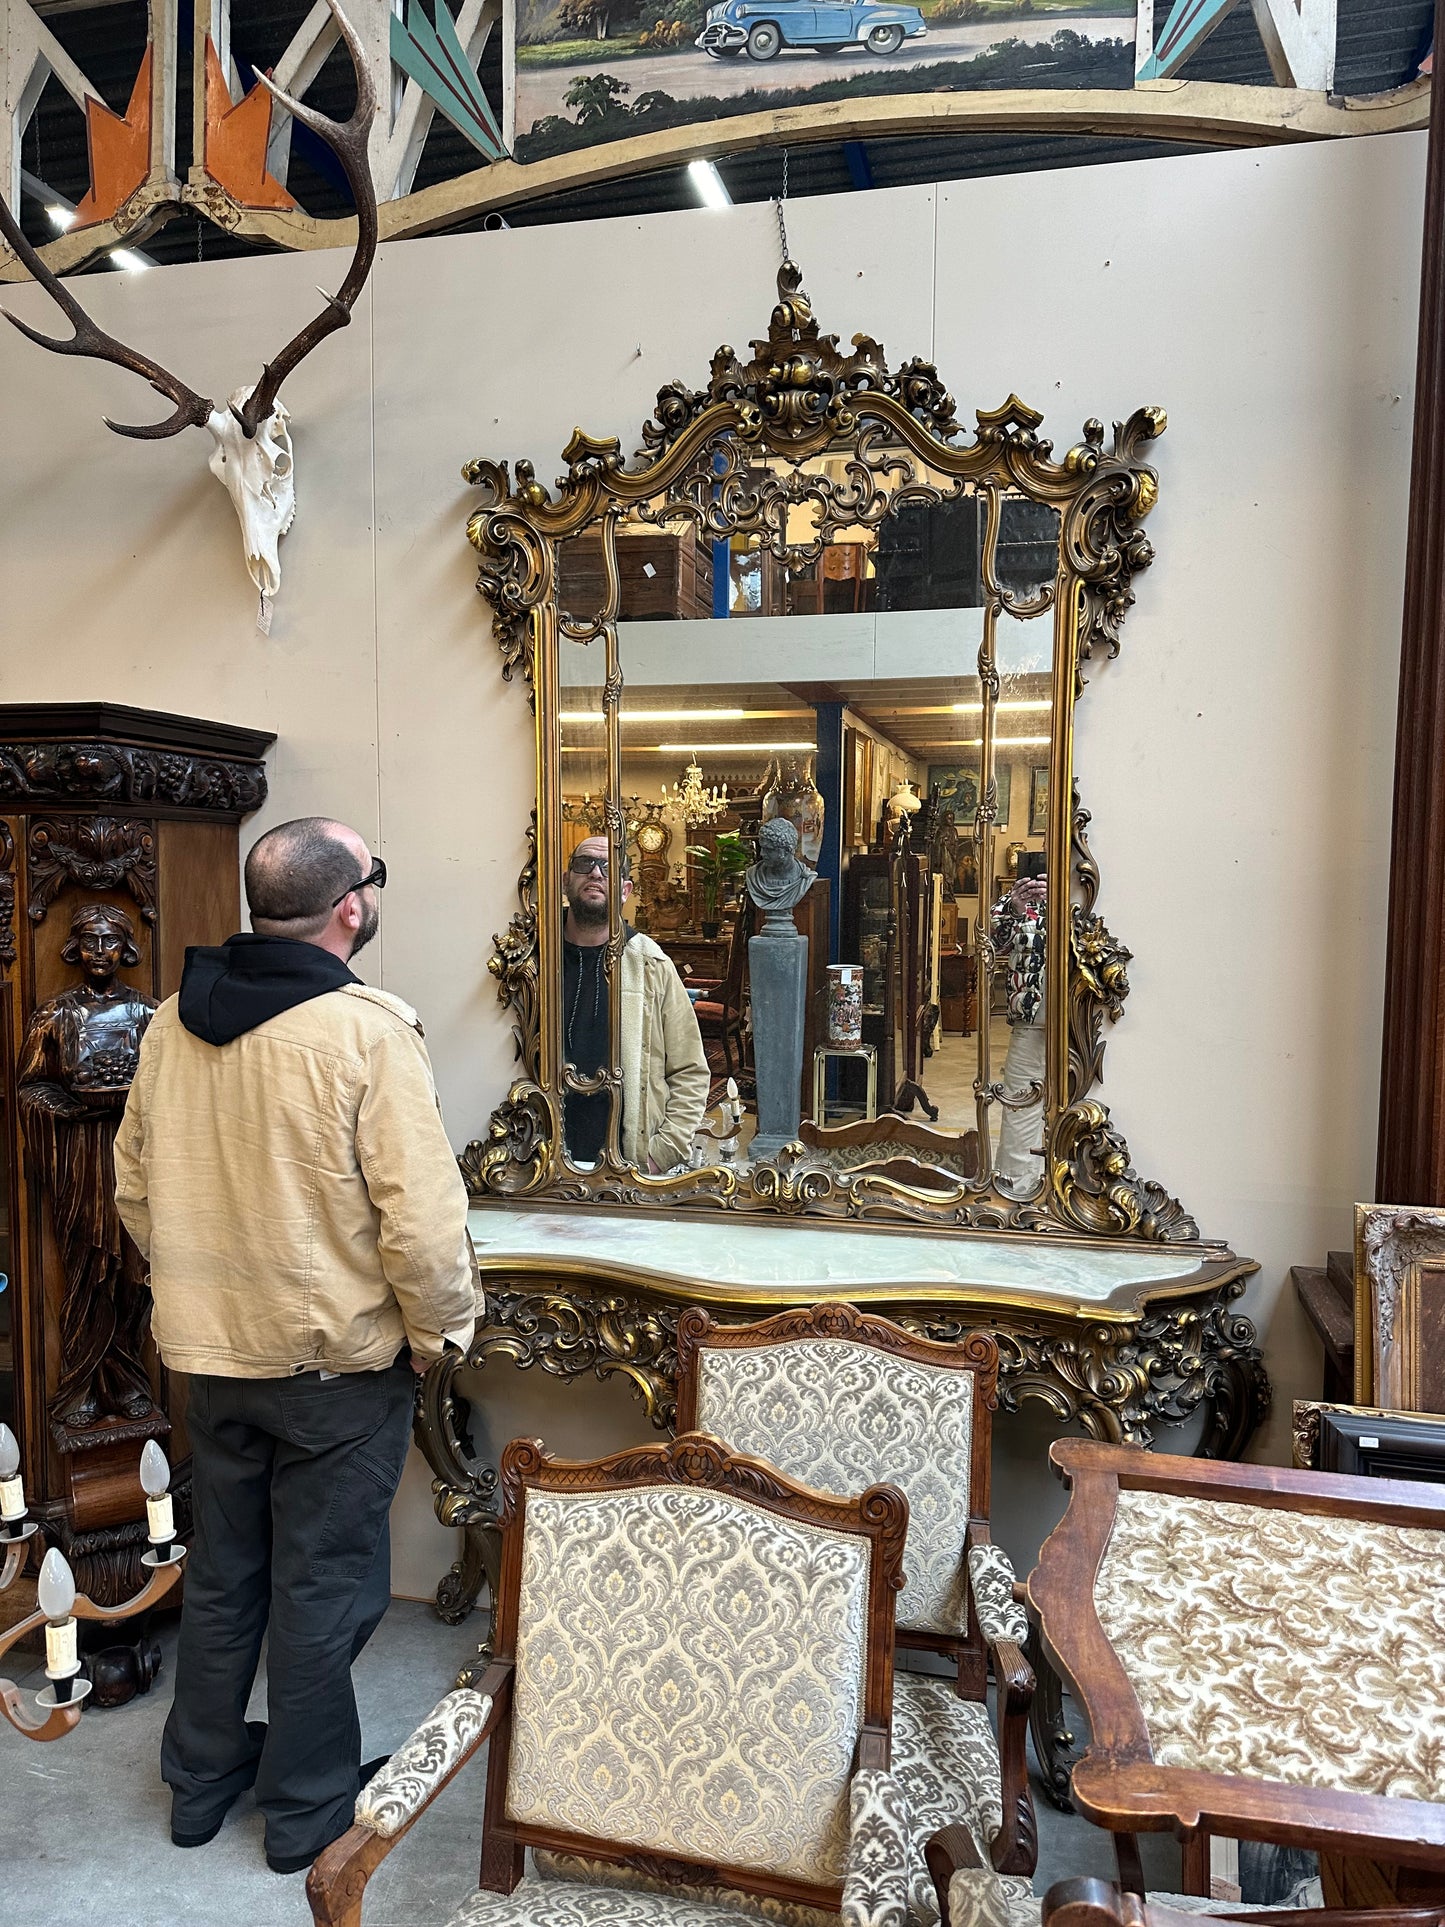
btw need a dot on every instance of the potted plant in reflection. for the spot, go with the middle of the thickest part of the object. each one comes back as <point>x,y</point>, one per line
<point>718,869</point>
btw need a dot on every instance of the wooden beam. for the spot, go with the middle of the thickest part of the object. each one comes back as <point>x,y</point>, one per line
<point>1411,1160</point>
<point>1202,111</point>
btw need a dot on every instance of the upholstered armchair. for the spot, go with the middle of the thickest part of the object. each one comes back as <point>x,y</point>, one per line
<point>688,1716</point>
<point>841,1400</point>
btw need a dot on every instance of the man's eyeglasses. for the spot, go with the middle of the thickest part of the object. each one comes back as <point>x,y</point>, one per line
<point>378,877</point>
<point>584,865</point>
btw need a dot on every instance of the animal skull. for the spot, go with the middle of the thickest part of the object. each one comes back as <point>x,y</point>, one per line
<point>259,476</point>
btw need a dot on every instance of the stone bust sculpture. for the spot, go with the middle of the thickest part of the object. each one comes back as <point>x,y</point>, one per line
<point>779,880</point>
<point>76,1065</point>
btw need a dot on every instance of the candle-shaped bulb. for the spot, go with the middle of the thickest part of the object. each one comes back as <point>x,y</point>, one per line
<point>9,1453</point>
<point>55,1589</point>
<point>155,1474</point>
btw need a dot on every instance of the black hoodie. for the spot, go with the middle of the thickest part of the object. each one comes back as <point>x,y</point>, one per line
<point>248,979</point>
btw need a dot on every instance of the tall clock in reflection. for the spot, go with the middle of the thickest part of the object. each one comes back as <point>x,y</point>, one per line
<point>653,838</point>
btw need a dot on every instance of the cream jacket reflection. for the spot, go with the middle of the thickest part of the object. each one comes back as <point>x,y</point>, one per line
<point>295,1192</point>
<point>664,1070</point>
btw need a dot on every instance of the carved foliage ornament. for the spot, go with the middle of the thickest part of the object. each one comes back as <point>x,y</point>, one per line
<point>115,773</point>
<point>92,853</point>
<point>7,895</point>
<point>730,459</point>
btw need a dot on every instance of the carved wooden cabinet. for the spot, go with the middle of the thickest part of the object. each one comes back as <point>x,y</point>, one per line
<point>124,821</point>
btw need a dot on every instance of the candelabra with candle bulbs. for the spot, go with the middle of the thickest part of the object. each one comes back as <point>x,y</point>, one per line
<point>59,1605</point>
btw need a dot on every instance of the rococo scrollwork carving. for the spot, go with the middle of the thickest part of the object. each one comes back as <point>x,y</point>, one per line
<point>514,962</point>
<point>1120,1379</point>
<point>731,459</point>
<point>1098,1190</point>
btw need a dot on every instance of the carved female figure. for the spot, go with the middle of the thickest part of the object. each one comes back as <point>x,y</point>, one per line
<point>76,1065</point>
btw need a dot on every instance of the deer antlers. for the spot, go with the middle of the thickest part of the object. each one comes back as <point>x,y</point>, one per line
<point>349,142</point>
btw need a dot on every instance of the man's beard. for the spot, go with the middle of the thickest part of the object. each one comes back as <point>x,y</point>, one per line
<point>370,918</point>
<point>591,916</point>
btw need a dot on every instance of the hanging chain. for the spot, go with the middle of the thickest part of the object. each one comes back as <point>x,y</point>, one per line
<point>778,206</point>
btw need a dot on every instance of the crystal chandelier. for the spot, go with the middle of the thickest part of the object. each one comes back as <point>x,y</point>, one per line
<point>692,801</point>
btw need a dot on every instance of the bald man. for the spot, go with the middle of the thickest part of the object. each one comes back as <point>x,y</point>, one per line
<point>282,1163</point>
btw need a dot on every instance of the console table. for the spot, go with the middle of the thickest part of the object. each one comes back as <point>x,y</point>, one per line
<point>1121,1336</point>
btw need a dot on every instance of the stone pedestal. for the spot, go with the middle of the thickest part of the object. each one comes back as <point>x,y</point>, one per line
<point>778,969</point>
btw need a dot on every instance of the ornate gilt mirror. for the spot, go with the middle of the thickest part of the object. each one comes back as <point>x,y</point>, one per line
<point>811,597</point>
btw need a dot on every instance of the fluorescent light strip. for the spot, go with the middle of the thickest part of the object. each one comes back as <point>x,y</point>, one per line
<point>708,184</point>
<point>976,742</point>
<point>61,217</point>
<point>676,715</point>
<point>1006,708</point>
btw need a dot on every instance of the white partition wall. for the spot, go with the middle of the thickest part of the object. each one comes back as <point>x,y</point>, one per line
<point>1237,757</point>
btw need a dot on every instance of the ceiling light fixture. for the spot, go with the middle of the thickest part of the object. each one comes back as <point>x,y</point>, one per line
<point>708,185</point>
<point>61,217</point>
<point>128,259</point>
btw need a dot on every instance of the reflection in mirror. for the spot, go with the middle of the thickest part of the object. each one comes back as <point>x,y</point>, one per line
<point>583,859</point>
<point>836,685</point>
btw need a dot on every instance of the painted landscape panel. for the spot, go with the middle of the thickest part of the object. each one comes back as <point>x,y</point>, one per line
<point>604,70</point>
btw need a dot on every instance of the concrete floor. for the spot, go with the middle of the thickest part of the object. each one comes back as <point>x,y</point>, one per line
<point>84,1822</point>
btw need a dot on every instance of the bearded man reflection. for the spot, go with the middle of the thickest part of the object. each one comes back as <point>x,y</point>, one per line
<point>664,1067</point>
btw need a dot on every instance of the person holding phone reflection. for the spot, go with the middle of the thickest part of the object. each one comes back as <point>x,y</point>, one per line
<point>664,1067</point>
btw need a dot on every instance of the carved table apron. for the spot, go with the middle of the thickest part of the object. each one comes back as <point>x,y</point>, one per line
<point>1122,1337</point>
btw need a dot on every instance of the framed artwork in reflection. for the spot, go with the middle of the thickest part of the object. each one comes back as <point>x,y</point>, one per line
<point>958,786</point>
<point>1039,800</point>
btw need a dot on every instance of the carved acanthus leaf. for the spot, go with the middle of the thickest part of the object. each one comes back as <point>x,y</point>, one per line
<point>93,853</point>
<point>1098,985</point>
<point>1098,1190</point>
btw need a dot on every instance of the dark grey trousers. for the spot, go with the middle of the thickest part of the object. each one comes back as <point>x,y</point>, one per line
<point>292,1482</point>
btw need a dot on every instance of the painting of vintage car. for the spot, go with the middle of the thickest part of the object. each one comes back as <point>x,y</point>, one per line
<point>763,28</point>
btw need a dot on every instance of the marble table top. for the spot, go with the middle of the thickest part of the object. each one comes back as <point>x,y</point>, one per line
<point>715,1259</point>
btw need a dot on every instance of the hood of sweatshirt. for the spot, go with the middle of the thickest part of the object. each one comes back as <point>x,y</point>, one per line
<point>231,988</point>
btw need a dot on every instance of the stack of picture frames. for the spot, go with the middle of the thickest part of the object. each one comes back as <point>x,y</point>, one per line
<point>1396,1428</point>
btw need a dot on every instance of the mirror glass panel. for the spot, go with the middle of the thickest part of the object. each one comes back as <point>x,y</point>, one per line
<point>885,685</point>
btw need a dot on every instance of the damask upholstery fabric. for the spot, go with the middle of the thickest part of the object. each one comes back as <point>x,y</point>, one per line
<point>842,1416</point>
<point>401,1789</point>
<point>978,1897</point>
<point>1281,1645</point>
<point>614,1873</point>
<point>564,1903</point>
<point>945,1759</point>
<point>689,1677</point>
<point>875,1892</point>
<point>992,1578</point>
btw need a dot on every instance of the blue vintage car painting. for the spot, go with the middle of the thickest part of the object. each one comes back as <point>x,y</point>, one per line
<point>762,28</point>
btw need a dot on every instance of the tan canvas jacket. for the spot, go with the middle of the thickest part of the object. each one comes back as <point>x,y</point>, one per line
<point>664,1068</point>
<point>295,1192</point>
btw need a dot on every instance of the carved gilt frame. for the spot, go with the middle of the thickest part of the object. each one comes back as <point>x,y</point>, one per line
<point>800,396</point>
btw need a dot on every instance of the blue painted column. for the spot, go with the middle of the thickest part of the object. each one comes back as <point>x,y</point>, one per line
<point>828,775</point>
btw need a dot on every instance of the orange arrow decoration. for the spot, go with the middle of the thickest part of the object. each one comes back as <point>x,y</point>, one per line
<point>120,150</point>
<point>236,137</point>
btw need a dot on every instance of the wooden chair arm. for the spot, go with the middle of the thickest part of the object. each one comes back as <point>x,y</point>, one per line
<point>946,1853</point>
<point>336,1884</point>
<point>1016,1845</point>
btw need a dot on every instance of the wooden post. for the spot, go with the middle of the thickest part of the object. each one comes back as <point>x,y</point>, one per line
<point>1411,1161</point>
